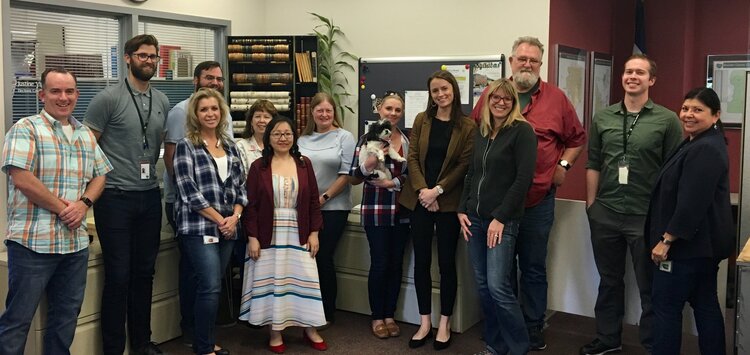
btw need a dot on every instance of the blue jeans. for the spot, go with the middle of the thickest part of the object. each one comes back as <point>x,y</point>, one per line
<point>693,281</point>
<point>205,264</point>
<point>531,249</point>
<point>504,326</point>
<point>30,275</point>
<point>387,245</point>
<point>129,227</point>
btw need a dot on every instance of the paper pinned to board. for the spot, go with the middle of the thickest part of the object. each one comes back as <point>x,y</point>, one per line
<point>461,73</point>
<point>414,103</point>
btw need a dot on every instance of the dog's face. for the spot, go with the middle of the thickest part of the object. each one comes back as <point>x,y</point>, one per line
<point>379,131</point>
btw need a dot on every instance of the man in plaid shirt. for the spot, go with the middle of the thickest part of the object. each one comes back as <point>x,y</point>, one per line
<point>56,171</point>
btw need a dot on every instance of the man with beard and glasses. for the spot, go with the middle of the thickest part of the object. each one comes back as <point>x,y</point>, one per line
<point>630,141</point>
<point>128,120</point>
<point>560,139</point>
<point>207,74</point>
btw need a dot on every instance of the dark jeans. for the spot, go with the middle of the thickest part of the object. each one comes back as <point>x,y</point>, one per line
<point>531,249</point>
<point>612,234</point>
<point>504,326</point>
<point>387,245</point>
<point>694,281</point>
<point>62,277</point>
<point>204,266</point>
<point>333,227</point>
<point>129,227</point>
<point>423,227</point>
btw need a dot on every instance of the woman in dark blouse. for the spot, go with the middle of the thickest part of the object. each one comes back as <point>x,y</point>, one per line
<point>440,145</point>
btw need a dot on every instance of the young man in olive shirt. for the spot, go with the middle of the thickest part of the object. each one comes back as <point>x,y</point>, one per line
<point>628,143</point>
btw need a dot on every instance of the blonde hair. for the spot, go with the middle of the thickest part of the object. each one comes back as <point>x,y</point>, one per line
<point>318,99</point>
<point>389,95</point>
<point>193,125</point>
<point>485,127</point>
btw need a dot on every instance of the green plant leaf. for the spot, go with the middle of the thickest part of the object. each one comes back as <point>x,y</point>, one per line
<point>321,18</point>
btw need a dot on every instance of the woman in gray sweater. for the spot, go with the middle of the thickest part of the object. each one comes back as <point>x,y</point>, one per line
<point>492,203</point>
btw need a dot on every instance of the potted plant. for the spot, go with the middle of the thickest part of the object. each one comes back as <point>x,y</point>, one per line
<point>333,63</point>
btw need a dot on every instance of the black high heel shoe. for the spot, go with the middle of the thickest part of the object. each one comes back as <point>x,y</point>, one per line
<point>415,343</point>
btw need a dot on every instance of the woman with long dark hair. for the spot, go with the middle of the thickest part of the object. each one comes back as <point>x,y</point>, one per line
<point>440,147</point>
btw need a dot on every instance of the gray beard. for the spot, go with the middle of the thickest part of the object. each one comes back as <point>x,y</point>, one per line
<point>525,80</point>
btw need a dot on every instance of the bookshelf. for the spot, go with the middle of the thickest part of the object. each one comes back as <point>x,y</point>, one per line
<point>281,69</point>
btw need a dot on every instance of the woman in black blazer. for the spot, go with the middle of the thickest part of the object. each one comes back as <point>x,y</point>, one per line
<point>689,228</point>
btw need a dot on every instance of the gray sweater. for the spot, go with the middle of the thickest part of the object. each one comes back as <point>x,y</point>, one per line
<point>500,174</point>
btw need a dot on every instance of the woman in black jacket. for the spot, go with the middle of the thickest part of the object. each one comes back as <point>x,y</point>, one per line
<point>689,228</point>
<point>500,174</point>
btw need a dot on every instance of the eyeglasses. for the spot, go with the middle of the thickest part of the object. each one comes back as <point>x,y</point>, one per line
<point>278,135</point>
<point>212,78</point>
<point>498,98</point>
<point>143,57</point>
<point>532,61</point>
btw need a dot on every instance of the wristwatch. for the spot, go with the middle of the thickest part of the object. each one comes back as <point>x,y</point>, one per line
<point>666,241</point>
<point>238,215</point>
<point>565,164</point>
<point>439,189</point>
<point>87,201</point>
<point>326,197</point>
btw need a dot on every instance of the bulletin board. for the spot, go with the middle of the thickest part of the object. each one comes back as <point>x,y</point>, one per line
<point>408,77</point>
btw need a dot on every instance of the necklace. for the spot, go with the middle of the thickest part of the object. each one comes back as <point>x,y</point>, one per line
<point>218,143</point>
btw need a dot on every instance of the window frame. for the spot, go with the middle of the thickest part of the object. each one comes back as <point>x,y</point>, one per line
<point>128,18</point>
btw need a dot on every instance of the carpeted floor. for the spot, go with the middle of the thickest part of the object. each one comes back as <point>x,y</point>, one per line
<point>351,335</point>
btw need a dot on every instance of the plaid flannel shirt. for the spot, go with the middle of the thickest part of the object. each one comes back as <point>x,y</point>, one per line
<point>380,206</point>
<point>199,187</point>
<point>65,167</point>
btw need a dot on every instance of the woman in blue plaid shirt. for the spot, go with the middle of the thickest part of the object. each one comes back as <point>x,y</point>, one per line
<point>386,226</point>
<point>211,196</point>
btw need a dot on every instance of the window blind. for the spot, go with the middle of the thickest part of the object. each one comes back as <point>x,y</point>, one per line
<point>84,44</point>
<point>181,47</point>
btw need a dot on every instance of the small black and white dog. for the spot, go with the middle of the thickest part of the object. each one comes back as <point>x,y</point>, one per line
<point>378,138</point>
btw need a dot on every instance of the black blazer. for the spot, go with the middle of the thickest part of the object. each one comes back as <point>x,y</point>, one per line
<point>690,200</point>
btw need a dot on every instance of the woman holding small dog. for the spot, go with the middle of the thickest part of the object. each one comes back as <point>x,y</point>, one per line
<point>384,220</point>
<point>491,207</point>
<point>440,146</point>
<point>330,148</point>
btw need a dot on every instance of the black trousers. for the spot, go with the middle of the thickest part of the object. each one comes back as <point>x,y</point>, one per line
<point>423,225</point>
<point>333,227</point>
<point>129,227</point>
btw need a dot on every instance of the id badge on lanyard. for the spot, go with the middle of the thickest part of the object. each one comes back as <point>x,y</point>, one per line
<point>144,165</point>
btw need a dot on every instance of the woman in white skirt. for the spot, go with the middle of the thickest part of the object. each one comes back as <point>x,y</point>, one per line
<point>281,285</point>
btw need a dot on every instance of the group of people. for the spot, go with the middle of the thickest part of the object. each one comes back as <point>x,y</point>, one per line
<point>283,198</point>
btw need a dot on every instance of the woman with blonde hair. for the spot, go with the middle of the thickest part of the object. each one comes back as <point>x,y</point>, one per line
<point>492,204</point>
<point>210,199</point>
<point>385,221</point>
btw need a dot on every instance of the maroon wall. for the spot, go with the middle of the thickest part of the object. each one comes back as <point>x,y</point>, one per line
<point>679,36</point>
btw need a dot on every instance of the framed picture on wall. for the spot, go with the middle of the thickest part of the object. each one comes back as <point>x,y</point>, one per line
<point>726,74</point>
<point>571,76</point>
<point>600,85</point>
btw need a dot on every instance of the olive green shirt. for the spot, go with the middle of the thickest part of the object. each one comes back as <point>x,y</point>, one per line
<point>656,133</point>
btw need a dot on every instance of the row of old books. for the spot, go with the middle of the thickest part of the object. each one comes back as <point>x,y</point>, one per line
<point>307,70</point>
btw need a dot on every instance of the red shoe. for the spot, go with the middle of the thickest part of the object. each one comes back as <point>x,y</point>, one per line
<point>278,349</point>
<point>321,346</point>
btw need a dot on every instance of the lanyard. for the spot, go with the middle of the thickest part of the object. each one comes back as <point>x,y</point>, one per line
<point>627,132</point>
<point>144,126</point>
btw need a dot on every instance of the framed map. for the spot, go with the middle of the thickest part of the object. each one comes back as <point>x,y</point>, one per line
<point>571,77</point>
<point>600,94</point>
<point>726,74</point>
